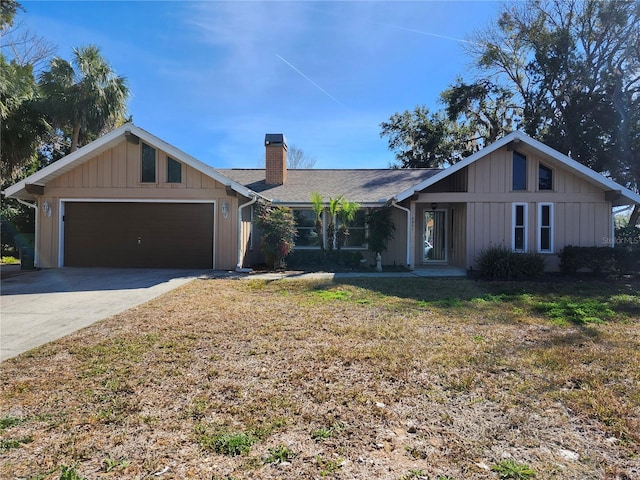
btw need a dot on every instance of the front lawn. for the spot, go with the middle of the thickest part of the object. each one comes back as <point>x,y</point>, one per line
<point>354,379</point>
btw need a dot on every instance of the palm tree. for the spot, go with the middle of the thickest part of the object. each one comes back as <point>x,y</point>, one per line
<point>317,203</point>
<point>85,97</point>
<point>347,214</point>
<point>334,208</point>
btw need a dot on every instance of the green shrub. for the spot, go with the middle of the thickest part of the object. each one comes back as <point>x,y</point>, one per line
<point>623,258</point>
<point>278,227</point>
<point>627,250</point>
<point>381,228</point>
<point>501,263</point>
<point>569,259</point>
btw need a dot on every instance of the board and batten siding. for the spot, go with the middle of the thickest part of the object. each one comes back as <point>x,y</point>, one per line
<point>115,175</point>
<point>581,215</point>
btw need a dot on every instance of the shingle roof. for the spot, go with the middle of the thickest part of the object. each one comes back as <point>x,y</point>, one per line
<point>362,186</point>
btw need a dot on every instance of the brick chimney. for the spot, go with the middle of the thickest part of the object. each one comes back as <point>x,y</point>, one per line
<point>276,158</point>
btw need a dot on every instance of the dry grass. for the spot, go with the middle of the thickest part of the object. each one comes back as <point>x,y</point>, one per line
<point>385,378</point>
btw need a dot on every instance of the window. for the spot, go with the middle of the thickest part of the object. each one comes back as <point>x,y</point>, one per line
<point>545,178</point>
<point>306,226</point>
<point>519,232</point>
<point>519,172</point>
<point>357,237</point>
<point>545,227</point>
<point>148,174</point>
<point>174,171</point>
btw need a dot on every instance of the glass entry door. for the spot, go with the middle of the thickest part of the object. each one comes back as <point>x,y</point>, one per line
<point>435,238</point>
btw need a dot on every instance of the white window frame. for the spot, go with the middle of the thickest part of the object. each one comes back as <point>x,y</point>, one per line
<point>550,227</point>
<point>525,218</point>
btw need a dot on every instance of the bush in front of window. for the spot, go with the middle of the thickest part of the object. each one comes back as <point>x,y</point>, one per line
<point>501,263</point>
<point>381,228</point>
<point>278,227</point>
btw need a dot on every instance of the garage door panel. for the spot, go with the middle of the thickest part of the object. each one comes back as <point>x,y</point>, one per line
<point>158,235</point>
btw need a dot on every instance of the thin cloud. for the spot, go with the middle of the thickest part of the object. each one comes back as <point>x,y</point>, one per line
<point>430,34</point>
<point>311,81</point>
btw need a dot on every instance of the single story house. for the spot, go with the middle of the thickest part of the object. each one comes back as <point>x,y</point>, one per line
<point>129,199</point>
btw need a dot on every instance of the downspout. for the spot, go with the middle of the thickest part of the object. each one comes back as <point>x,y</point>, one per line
<point>239,264</point>
<point>35,244</point>
<point>393,202</point>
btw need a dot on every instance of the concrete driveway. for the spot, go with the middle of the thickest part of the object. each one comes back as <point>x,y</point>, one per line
<point>37,307</point>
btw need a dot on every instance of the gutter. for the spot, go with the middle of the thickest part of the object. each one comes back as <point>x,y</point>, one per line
<point>32,205</point>
<point>393,203</point>
<point>239,267</point>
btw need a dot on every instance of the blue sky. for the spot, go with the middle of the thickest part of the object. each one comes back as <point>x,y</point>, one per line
<point>212,78</point>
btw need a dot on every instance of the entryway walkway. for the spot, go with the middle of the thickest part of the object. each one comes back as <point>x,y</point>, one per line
<point>431,271</point>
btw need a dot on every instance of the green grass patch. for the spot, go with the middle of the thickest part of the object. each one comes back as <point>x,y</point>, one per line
<point>226,443</point>
<point>279,454</point>
<point>329,295</point>
<point>324,433</point>
<point>510,469</point>
<point>578,311</point>
<point>8,422</point>
<point>14,443</point>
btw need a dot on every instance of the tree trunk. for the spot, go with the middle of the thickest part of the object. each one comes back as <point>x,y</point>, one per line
<point>75,137</point>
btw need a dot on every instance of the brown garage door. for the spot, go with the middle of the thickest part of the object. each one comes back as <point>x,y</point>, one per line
<point>152,235</point>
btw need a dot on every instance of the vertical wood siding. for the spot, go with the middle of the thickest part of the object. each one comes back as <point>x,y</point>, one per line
<point>115,174</point>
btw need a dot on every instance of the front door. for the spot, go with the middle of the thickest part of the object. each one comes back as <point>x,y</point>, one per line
<point>435,236</point>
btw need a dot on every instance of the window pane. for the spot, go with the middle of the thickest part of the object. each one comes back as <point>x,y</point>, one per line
<point>148,164</point>
<point>174,171</point>
<point>545,239</point>
<point>356,238</point>
<point>545,215</point>
<point>305,224</point>
<point>519,172</point>
<point>520,215</point>
<point>519,238</point>
<point>545,178</point>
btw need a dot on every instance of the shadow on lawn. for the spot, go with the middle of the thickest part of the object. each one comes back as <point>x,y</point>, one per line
<point>561,300</point>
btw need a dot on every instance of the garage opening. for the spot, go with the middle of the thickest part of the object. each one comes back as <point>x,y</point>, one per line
<point>137,234</point>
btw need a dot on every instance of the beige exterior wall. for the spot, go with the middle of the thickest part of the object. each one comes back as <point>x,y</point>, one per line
<point>246,237</point>
<point>115,175</point>
<point>396,253</point>
<point>455,228</point>
<point>582,215</point>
